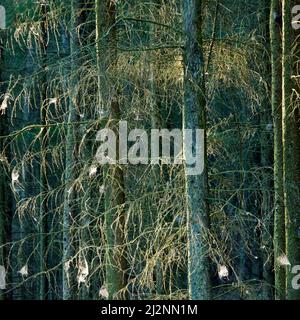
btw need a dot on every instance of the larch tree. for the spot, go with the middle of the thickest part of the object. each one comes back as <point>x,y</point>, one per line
<point>115,214</point>
<point>279,218</point>
<point>74,228</point>
<point>70,200</point>
<point>3,207</point>
<point>42,294</point>
<point>194,117</point>
<point>266,158</point>
<point>3,184</point>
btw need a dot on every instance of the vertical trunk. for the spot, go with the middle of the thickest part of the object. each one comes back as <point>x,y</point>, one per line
<point>85,160</point>
<point>43,217</point>
<point>266,211</point>
<point>194,114</point>
<point>3,189</point>
<point>43,169</point>
<point>266,151</point>
<point>152,102</point>
<point>291,148</point>
<point>116,263</point>
<point>70,165</point>
<point>279,220</point>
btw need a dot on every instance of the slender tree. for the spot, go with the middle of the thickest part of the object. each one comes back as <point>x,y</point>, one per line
<point>279,220</point>
<point>266,152</point>
<point>3,188</point>
<point>194,117</point>
<point>115,214</point>
<point>70,209</point>
<point>43,162</point>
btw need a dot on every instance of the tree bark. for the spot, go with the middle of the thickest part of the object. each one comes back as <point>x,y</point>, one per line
<point>194,117</point>
<point>115,214</point>
<point>70,197</point>
<point>279,219</point>
<point>3,189</point>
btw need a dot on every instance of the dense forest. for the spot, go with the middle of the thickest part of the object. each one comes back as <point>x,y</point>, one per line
<point>75,228</point>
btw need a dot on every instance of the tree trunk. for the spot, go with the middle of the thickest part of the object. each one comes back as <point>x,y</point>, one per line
<point>279,220</point>
<point>194,117</point>
<point>3,189</point>
<point>116,263</point>
<point>266,151</point>
<point>43,166</point>
<point>70,208</point>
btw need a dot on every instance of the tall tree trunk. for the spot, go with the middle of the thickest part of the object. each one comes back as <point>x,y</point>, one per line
<point>279,220</point>
<point>3,189</point>
<point>194,117</point>
<point>291,147</point>
<point>116,263</point>
<point>266,151</point>
<point>70,208</point>
<point>43,165</point>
